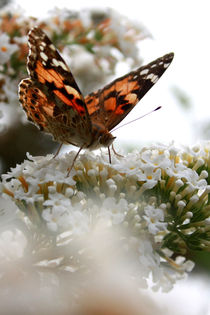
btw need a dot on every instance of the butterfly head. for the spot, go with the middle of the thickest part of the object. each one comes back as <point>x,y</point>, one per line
<point>101,137</point>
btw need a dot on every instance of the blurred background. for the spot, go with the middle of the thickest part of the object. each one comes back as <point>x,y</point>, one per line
<point>183,92</point>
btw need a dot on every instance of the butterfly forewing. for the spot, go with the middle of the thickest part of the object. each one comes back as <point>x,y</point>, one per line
<point>111,104</point>
<point>51,97</point>
<point>43,58</point>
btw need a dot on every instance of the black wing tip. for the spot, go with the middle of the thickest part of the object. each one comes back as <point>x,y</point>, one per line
<point>169,57</point>
<point>171,54</point>
<point>36,31</point>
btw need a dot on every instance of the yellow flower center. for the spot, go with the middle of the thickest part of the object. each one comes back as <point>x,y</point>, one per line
<point>177,159</point>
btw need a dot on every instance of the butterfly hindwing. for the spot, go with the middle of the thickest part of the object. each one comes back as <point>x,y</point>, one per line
<point>46,115</point>
<point>112,103</point>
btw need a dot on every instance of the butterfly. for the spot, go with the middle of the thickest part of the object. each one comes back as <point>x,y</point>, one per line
<point>53,101</point>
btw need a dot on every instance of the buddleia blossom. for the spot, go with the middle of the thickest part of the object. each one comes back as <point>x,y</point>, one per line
<point>155,202</point>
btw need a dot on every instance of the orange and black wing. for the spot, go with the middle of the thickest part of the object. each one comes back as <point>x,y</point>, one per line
<point>51,97</point>
<point>110,105</point>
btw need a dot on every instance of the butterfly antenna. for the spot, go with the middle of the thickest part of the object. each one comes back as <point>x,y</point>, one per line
<point>157,108</point>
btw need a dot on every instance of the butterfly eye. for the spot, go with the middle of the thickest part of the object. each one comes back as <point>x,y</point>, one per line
<point>106,139</point>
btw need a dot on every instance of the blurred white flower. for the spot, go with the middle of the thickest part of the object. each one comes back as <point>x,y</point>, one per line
<point>8,213</point>
<point>12,245</point>
<point>113,211</point>
<point>6,49</point>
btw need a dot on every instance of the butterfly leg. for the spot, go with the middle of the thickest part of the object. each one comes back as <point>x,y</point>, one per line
<point>57,152</point>
<point>76,156</point>
<point>109,152</point>
<point>117,154</point>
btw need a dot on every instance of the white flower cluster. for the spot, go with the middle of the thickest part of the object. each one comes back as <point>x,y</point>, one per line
<point>156,200</point>
<point>12,50</point>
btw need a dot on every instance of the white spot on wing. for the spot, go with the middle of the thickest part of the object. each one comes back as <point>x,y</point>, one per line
<point>152,77</point>
<point>52,47</point>
<point>145,71</point>
<point>62,64</point>
<point>155,79</point>
<point>43,56</point>
<point>55,62</point>
<point>166,65</point>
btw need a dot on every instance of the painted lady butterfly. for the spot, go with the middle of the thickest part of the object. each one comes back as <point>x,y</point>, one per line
<point>53,101</point>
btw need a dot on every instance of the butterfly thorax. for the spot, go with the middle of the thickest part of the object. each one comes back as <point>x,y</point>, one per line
<point>101,137</point>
